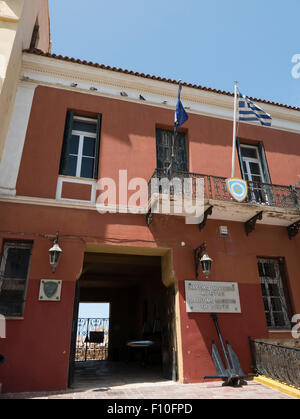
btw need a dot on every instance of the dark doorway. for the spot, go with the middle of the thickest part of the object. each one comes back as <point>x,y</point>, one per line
<point>141,314</point>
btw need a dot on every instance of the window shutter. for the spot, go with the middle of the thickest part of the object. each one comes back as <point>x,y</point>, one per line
<point>267,189</point>
<point>238,147</point>
<point>264,164</point>
<point>181,160</point>
<point>97,146</point>
<point>159,150</point>
<point>288,303</point>
<point>66,142</point>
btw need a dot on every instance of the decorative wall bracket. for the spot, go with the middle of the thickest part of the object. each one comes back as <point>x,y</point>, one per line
<point>250,224</point>
<point>205,216</point>
<point>293,230</point>
<point>197,255</point>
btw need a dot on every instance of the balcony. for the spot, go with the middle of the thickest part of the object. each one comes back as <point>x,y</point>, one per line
<point>268,204</point>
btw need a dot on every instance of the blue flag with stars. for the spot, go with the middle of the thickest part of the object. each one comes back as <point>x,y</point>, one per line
<point>180,114</point>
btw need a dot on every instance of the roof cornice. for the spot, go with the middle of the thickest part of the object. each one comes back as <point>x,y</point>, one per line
<point>61,71</point>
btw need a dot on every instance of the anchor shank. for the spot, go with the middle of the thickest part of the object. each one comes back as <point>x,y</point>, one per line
<point>215,319</point>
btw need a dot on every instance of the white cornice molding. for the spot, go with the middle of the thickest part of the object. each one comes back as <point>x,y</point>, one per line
<point>61,74</point>
<point>73,204</point>
<point>46,202</point>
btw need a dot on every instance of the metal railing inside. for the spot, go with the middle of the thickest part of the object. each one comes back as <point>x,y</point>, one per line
<point>278,362</point>
<point>92,339</point>
<point>215,188</point>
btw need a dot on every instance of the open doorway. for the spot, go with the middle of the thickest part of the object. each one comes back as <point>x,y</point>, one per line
<point>139,338</point>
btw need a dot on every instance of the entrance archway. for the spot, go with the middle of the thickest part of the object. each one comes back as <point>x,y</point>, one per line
<point>141,292</point>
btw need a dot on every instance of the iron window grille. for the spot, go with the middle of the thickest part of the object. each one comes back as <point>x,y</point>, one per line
<point>14,271</point>
<point>274,291</point>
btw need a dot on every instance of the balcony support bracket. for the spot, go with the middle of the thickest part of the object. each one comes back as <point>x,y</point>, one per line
<point>250,224</point>
<point>293,230</point>
<point>149,217</point>
<point>205,216</point>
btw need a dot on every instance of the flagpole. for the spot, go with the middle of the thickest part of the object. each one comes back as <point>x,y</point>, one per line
<point>172,153</point>
<point>173,143</point>
<point>234,129</point>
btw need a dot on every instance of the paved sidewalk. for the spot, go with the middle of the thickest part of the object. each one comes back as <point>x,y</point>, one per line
<point>118,380</point>
<point>162,390</point>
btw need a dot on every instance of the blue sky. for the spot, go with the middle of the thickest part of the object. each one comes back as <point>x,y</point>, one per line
<point>88,310</point>
<point>211,42</point>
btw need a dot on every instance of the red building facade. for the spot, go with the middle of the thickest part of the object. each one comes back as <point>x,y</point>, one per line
<point>75,123</point>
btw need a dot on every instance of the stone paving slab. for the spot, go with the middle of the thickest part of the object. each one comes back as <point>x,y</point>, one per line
<point>160,391</point>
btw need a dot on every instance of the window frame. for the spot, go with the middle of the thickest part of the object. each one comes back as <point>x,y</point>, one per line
<point>258,192</point>
<point>248,160</point>
<point>80,155</point>
<point>69,132</point>
<point>15,245</point>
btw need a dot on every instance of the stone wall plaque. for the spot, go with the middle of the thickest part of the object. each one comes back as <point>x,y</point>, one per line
<point>50,290</point>
<point>212,297</point>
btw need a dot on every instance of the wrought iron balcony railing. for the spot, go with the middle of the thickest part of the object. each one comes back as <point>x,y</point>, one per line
<point>278,362</point>
<point>215,188</point>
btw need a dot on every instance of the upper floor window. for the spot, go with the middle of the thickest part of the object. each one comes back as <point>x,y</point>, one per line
<point>275,294</point>
<point>164,142</point>
<point>14,270</point>
<point>80,153</point>
<point>252,164</point>
<point>255,170</point>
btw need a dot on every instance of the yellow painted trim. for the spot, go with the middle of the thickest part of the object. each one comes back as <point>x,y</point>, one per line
<point>278,385</point>
<point>128,250</point>
<point>167,272</point>
<point>10,19</point>
<point>165,253</point>
<point>178,335</point>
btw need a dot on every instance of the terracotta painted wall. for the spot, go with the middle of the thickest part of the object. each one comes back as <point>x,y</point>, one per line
<point>128,141</point>
<point>234,260</point>
<point>37,347</point>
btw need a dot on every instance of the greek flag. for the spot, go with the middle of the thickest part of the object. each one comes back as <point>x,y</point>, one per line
<point>248,112</point>
<point>180,114</point>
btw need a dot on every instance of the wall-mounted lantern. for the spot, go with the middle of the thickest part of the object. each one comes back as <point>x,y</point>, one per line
<point>55,254</point>
<point>202,258</point>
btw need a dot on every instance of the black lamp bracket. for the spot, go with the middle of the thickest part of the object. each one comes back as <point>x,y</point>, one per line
<point>198,253</point>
